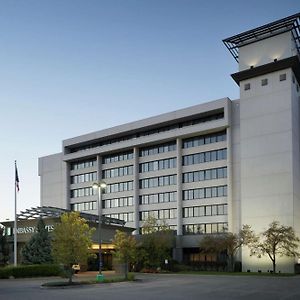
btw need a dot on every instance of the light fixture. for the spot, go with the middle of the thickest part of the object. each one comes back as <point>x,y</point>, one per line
<point>100,185</point>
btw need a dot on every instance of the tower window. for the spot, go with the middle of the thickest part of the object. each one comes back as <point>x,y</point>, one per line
<point>264,82</point>
<point>247,86</point>
<point>282,77</point>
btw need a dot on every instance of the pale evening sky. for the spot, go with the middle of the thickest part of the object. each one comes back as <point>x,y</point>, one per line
<point>69,67</point>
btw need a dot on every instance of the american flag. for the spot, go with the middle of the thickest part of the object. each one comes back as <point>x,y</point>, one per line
<point>17,178</point>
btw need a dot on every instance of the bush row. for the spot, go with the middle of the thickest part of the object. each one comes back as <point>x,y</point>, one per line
<point>30,271</point>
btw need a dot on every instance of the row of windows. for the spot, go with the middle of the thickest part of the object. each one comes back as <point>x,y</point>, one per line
<point>118,202</point>
<point>209,192</point>
<point>162,164</point>
<point>204,139</point>
<point>92,205</point>
<point>151,166</point>
<point>205,228</point>
<point>158,214</point>
<point>264,81</point>
<point>167,147</point>
<point>203,157</point>
<point>117,157</point>
<point>215,115</point>
<point>83,164</point>
<point>119,187</point>
<point>127,217</point>
<point>205,210</point>
<point>158,198</point>
<point>204,175</point>
<point>87,177</point>
<point>157,181</point>
<point>170,227</point>
<point>116,172</point>
<point>84,192</point>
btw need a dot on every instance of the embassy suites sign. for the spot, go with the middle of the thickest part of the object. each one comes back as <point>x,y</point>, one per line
<point>33,229</point>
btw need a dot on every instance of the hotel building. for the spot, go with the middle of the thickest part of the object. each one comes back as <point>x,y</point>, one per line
<point>204,169</point>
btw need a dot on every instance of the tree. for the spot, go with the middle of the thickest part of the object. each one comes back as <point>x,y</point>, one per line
<point>71,241</point>
<point>229,242</point>
<point>4,248</point>
<point>155,244</point>
<point>233,242</point>
<point>277,240</point>
<point>125,246</point>
<point>38,248</point>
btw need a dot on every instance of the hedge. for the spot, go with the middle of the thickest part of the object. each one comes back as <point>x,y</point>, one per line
<point>30,271</point>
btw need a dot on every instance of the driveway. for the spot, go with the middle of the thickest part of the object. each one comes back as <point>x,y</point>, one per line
<point>162,286</point>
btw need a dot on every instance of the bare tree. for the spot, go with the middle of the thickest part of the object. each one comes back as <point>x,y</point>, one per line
<point>277,240</point>
<point>229,242</point>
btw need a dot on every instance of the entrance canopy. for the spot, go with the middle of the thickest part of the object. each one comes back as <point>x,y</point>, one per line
<point>55,212</point>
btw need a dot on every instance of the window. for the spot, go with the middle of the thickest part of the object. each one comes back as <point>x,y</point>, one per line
<point>117,157</point>
<point>83,164</point>
<point>83,192</point>
<point>87,177</point>
<point>209,192</point>
<point>158,165</point>
<point>204,139</point>
<point>158,149</point>
<point>247,86</point>
<point>282,77</point>
<point>205,228</point>
<point>158,198</point>
<point>84,206</point>
<point>157,181</point>
<point>204,175</point>
<point>202,157</point>
<point>119,187</point>
<point>127,217</point>
<point>158,214</point>
<point>264,82</point>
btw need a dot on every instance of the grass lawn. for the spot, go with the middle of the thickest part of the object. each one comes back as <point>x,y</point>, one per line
<point>66,283</point>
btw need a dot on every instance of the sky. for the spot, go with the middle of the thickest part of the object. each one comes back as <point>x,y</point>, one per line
<point>70,67</point>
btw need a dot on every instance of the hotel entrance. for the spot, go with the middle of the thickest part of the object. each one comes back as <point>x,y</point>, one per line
<point>27,227</point>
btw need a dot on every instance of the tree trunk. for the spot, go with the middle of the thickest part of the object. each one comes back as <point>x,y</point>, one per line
<point>230,264</point>
<point>274,265</point>
<point>126,269</point>
<point>70,274</point>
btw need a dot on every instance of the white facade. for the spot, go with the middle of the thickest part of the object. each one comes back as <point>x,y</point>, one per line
<point>204,169</point>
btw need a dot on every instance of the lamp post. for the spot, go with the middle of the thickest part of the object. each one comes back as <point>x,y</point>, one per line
<point>99,186</point>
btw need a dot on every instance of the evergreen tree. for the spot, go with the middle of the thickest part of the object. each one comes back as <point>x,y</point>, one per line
<point>38,249</point>
<point>4,249</point>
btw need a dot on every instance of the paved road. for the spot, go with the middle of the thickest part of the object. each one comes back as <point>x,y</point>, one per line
<point>161,287</point>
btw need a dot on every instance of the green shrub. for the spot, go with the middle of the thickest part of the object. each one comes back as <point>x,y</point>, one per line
<point>4,273</point>
<point>182,268</point>
<point>30,271</point>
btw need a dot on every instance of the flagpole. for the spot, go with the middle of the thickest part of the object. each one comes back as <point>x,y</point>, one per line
<point>15,223</point>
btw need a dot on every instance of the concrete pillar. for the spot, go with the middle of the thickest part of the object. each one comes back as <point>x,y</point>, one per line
<point>136,190</point>
<point>177,254</point>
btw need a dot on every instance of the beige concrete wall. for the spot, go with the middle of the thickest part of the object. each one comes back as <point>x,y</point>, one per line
<point>52,172</point>
<point>265,51</point>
